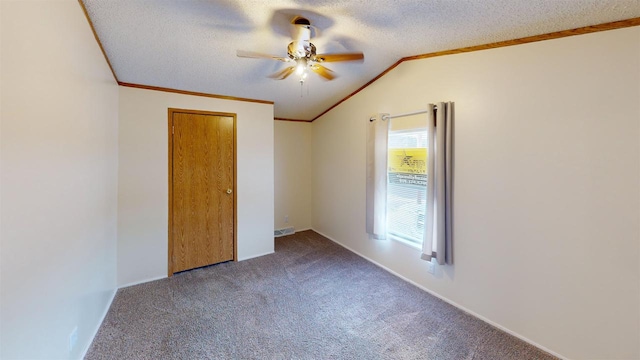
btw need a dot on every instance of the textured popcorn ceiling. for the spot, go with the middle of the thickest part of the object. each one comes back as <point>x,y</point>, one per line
<point>191,45</point>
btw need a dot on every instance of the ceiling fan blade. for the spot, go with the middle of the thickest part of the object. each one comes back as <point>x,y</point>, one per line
<point>323,71</point>
<point>339,57</point>
<point>282,74</point>
<point>257,55</point>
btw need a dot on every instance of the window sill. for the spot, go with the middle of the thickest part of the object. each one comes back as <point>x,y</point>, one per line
<point>405,242</point>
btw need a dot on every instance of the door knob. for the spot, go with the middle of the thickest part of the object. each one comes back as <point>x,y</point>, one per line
<point>229,191</point>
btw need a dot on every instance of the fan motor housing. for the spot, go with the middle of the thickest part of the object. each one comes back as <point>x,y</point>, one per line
<point>307,50</point>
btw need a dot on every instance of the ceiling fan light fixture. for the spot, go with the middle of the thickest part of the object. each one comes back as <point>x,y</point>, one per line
<point>301,68</point>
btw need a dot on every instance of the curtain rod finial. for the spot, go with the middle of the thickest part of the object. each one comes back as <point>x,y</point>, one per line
<point>381,116</point>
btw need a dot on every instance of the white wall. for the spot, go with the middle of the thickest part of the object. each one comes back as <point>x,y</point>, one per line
<point>293,174</point>
<point>59,183</point>
<point>547,197</point>
<point>143,179</point>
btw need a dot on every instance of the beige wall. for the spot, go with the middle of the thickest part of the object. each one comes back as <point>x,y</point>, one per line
<point>546,188</point>
<point>59,164</point>
<point>293,174</point>
<point>143,180</point>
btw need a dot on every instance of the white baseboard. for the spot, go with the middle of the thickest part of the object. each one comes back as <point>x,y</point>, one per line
<point>141,282</point>
<point>255,256</point>
<point>508,331</point>
<point>95,331</point>
<point>299,230</point>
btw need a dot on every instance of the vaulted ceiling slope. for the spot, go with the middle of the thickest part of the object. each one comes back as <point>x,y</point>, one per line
<point>191,45</point>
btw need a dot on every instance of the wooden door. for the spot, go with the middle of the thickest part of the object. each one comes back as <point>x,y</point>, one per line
<point>201,189</point>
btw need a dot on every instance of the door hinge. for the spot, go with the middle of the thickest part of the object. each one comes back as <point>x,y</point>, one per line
<point>173,129</point>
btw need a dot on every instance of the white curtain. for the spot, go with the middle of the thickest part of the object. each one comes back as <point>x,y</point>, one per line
<point>377,136</point>
<point>437,238</point>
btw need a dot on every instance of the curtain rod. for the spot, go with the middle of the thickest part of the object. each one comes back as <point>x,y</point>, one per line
<point>387,116</point>
<point>408,114</point>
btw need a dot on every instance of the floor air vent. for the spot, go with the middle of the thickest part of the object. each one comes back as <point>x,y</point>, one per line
<point>283,232</point>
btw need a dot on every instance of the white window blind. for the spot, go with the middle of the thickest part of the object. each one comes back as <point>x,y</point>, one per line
<point>406,184</point>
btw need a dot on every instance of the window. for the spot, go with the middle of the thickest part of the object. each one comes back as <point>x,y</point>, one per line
<point>406,184</point>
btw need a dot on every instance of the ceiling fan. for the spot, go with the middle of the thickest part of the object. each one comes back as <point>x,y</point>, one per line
<point>303,53</point>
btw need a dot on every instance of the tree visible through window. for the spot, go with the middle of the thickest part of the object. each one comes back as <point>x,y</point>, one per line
<point>407,181</point>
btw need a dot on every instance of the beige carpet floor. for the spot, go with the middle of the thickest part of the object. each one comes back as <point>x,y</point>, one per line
<point>312,299</point>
